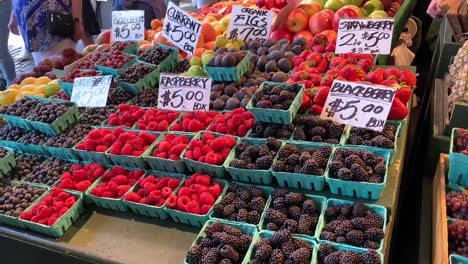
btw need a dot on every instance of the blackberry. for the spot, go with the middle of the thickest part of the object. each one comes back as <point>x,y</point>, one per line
<point>288,168</point>
<point>263,163</point>
<point>354,159</point>
<point>316,139</point>
<point>244,194</point>
<point>335,131</point>
<point>277,257</point>
<point>382,142</point>
<point>359,173</point>
<point>208,243</point>
<point>305,156</point>
<point>278,193</point>
<point>305,224</point>
<point>359,209</point>
<point>218,210</point>
<point>311,168</point>
<point>355,140</point>
<point>232,231</point>
<point>350,257</point>
<point>245,157</point>
<point>375,220</point>
<point>346,210</point>
<point>271,226</point>
<point>367,143</point>
<point>288,248</point>
<point>263,150</point>
<point>224,238</point>
<point>318,131</point>
<point>370,244</point>
<point>319,158</point>
<point>229,210</point>
<point>211,257</point>
<point>374,179</point>
<point>328,236</point>
<point>242,215</point>
<point>280,237</point>
<point>253,217</point>
<point>355,237</point>
<point>228,198</point>
<point>278,165</point>
<point>300,256</point>
<point>335,166</point>
<point>273,143</point>
<point>291,225</point>
<point>360,223</point>
<point>255,191</point>
<point>270,131</point>
<point>332,212</point>
<point>279,203</point>
<point>245,240</point>
<point>324,250</point>
<point>341,240</point>
<point>240,164</point>
<point>264,104</point>
<point>299,134</point>
<point>345,174</point>
<point>380,169</point>
<point>333,141</point>
<point>333,258</point>
<point>309,207</point>
<point>252,152</point>
<point>257,204</point>
<point>230,253</point>
<point>240,147</point>
<point>293,159</point>
<point>225,261</point>
<point>343,228</point>
<point>213,228</point>
<point>263,252</point>
<point>194,254</point>
<point>370,257</point>
<point>293,198</point>
<point>325,151</point>
<point>234,187</point>
<point>374,234</point>
<point>367,156</point>
<point>294,212</point>
<point>263,241</point>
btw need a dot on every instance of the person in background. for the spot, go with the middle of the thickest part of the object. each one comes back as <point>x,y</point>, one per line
<point>30,16</point>
<point>7,65</point>
<point>90,23</point>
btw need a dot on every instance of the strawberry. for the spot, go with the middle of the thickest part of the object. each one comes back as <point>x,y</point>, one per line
<point>408,78</point>
<point>321,96</point>
<point>376,76</point>
<point>398,111</point>
<point>404,94</point>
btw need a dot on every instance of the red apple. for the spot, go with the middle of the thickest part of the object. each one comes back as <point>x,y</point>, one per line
<point>304,34</point>
<point>280,3</point>
<point>296,20</point>
<point>321,21</point>
<point>269,3</point>
<point>330,34</point>
<point>260,3</point>
<point>281,34</point>
<point>310,9</point>
<point>344,12</point>
<point>356,9</point>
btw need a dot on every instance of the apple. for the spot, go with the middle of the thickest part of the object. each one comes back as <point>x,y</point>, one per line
<point>321,21</point>
<point>310,9</point>
<point>378,14</point>
<point>320,2</point>
<point>364,12</point>
<point>333,5</point>
<point>330,34</point>
<point>304,34</point>
<point>344,12</point>
<point>280,3</point>
<point>356,9</point>
<point>260,3</point>
<point>373,5</point>
<point>269,4</point>
<point>296,20</point>
<point>357,3</point>
<point>281,34</point>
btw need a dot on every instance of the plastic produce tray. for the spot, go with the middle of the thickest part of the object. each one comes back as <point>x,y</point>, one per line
<point>337,246</point>
<point>194,219</point>
<point>229,73</point>
<point>7,163</point>
<point>63,153</point>
<point>456,259</point>
<point>16,121</point>
<point>458,164</point>
<point>98,157</point>
<point>30,149</point>
<point>379,210</point>
<point>273,115</point>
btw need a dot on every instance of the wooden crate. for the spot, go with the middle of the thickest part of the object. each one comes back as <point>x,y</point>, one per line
<point>439,214</point>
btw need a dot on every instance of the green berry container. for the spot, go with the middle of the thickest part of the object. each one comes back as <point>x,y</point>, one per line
<point>379,210</point>
<point>299,180</point>
<point>165,65</point>
<point>342,138</point>
<point>217,171</point>
<point>321,201</point>
<point>132,49</point>
<point>98,157</point>
<point>14,145</point>
<point>229,73</point>
<point>273,115</point>
<point>7,163</point>
<point>248,175</point>
<point>16,121</point>
<point>457,259</point>
<point>63,153</point>
<point>32,149</point>
<point>336,246</point>
<point>266,191</point>
<point>115,72</point>
<point>269,234</point>
<point>194,219</point>
<point>63,223</point>
<point>458,163</point>
<point>364,190</point>
<point>155,163</point>
<point>392,152</point>
<point>246,229</point>
<point>149,210</point>
<point>115,204</point>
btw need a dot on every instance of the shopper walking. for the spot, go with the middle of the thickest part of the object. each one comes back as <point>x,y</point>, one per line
<point>7,65</point>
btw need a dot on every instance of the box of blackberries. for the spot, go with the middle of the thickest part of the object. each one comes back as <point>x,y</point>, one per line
<point>332,253</point>
<point>458,157</point>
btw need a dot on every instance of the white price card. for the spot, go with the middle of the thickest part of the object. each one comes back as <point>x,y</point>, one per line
<point>359,104</point>
<point>91,91</point>
<point>365,36</point>
<point>181,29</point>
<point>184,93</point>
<point>128,25</point>
<point>250,23</point>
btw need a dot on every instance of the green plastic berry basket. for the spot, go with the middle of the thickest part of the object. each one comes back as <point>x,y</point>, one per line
<point>63,223</point>
<point>285,117</point>
<point>98,157</point>
<point>321,201</point>
<point>194,219</point>
<point>132,49</point>
<point>457,259</point>
<point>390,151</point>
<point>14,145</point>
<point>63,153</point>
<point>337,246</point>
<point>458,163</point>
<point>379,210</point>
<point>229,73</point>
<point>246,229</point>
<point>165,65</point>
<point>364,190</point>
<point>115,72</point>
<point>32,149</point>
<point>341,142</point>
<point>266,191</point>
<point>58,125</point>
<point>217,171</point>
<point>7,163</point>
<point>248,175</point>
<point>177,166</point>
<point>115,204</point>
<point>149,210</point>
<point>16,121</point>
<point>299,180</point>
<point>269,234</point>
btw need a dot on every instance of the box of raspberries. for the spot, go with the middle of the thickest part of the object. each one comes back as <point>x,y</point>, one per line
<point>207,152</point>
<point>53,214</point>
<point>280,247</point>
<point>150,194</point>
<point>165,153</point>
<point>353,223</point>
<point>111,64</point>
<point>358,172</point>
<point>228,65</point>
<point>222,240</point>
<point>192,203</point>
<point>332,253</point>
<point>276,102</point>
<point>458,157</point>
<point>251,160</point>
<point>95,144</point>
<point>7,161</point>
<point>302,165</point>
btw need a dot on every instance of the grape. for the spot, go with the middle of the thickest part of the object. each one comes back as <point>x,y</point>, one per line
<point>461,144</point>
<point>457,205</point>
<point>458,237</point>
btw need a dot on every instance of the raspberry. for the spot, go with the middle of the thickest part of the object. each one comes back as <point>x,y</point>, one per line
<point>184,191</point>
<point>172,201</point>
<point>123,189</point>
<point>198,188</point>
<point>83,185</point>
<point>166,192</point>
<point>204,180</point>
<point>210,158</point>
<point>63,195</point>
<point>155,196</point>
<point>70,201</point>
<point>182,203</point>
<point>26,215</point>
<point>205,209</point>
<point>164,146</point>
<point>127,149</point>
<point>97,191</point>
<point>44,211</point>
<point>66,183</point>
<point>218,144</point>
<point>207,198</point>
<point>193,207</point>
<point>120,179</point>
<point>173,183</point>
<point>148,186</point>
<point>52,221</point>
<point>194,126</point>
<point>216,189</point>
<point>102,148</point>
<point>177,149</point>
<point>195,197</point>
<point>146,200</point>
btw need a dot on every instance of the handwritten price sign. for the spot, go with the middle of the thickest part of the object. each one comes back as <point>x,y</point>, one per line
<point>128,25</point>
<point>366,36</point>
<point>358,104</point>
<point>183,93</point>
<point>181,29</point>
<point>249,23</point>
<point>91,91</point>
